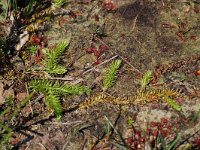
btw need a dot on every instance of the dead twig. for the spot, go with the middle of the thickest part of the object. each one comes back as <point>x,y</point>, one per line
<point>42,146</point>
<point>64,123</point>
<point>27,91</point>
<point>133,68</point>
<point>106,61</point>
<point>134,22</point>
<point>38,98</point>
<point>83,144</point>
<point>67,78</point>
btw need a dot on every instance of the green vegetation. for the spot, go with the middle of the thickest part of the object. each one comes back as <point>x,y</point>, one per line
<point>145,79</point>
<point>52,57</point>
<point>52,91</point>
<point>173,104</point>
<point>5,133</point>
<point>141,97</point>
<point>110,75</point>
<point>32,49</point>
<point>8,5</point>
<point>4,5</point>
<point>58,3</point>
<point>49,86</point>
<point>4,11</point>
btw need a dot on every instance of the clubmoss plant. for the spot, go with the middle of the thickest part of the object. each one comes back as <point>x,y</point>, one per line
<point>141,97</point>
<point>110,75</point>
<point>52,57</point>
<point>5,135</point>
<point>32,49</point>
<point>93,100</point>
<point>46,86</point>
<point>53,92</point>
<point>145,79</point>
<point>173,104</point>
<point>59,3</point>
<point>53,101</point>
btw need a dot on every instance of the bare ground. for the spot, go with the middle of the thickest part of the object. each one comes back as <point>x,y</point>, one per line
<point>162,36</point>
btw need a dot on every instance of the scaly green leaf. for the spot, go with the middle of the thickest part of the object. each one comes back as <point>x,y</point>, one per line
<point>52,57</point>
<point>47,86</point>
<point>110,75</point>
<point>58,3</point>
<point>56,70</point>
<point>53,102</point>
<point>173,104</point>
<point>32,49</point>
<point>146,79</point>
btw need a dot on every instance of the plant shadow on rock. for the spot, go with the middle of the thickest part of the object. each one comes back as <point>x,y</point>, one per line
<point>144,14</point>
<point>168,45</point>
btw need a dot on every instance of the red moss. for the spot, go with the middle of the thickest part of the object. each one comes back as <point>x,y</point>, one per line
<point>130,141</point>
<point>103,48</point>
<point>97,62</point>
<point>154,124</point>
<point>109,5</point>
<point>164,133</point>
<point>164,120</point>
<point>36,39</point>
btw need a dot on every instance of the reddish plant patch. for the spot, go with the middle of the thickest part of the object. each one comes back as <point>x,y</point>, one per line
<point>155,129</point>
<point>97,51</point>
<point>196,142</point>
<point>36,39</point>
<point>109,5</point>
